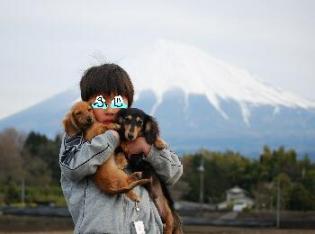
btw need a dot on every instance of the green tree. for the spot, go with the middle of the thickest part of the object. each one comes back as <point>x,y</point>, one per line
<point>301,199</point>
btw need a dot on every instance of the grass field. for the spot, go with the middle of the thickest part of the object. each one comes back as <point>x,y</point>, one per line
<point>49,225</point>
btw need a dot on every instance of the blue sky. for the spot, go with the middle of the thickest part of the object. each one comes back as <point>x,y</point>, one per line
<point>46,45</point>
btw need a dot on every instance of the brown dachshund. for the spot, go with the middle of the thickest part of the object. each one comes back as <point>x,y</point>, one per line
<point>109,177</point>
<point>135,123</point>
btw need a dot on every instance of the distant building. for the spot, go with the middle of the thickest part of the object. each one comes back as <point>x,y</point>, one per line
<point>237,199</point>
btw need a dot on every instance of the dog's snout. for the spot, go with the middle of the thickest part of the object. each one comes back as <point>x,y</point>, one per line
<point>130,136</point>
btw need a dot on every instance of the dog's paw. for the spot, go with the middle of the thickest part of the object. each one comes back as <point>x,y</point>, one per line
<point>133,196</point>
<point>159,144</point>
<point>116,126</point>
<point>137,175</point>
<point>113,126</point>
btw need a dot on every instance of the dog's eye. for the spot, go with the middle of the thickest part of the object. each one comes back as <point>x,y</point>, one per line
<point>127,121</point>
<point>78,113</point>
<point>139,123</point>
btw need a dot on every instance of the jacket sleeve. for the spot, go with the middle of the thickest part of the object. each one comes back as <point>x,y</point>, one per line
<point>166,164</point>
<point>79,158</point>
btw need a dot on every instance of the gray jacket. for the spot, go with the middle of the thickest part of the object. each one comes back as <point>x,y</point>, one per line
<point>95,212</point>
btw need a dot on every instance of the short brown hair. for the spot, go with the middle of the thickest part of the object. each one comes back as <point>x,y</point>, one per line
<point>106,79</point>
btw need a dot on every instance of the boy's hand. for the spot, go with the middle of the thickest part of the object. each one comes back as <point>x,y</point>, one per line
<point>138,146</point>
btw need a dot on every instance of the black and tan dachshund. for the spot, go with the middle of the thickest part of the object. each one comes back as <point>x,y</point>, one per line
<point>135,123</point>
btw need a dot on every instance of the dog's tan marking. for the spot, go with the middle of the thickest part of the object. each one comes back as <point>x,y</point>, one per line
<point>148,127</point>
<point>138,131</point>
<point>127,130</point>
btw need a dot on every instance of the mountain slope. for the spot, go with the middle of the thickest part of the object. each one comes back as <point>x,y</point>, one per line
<point>45,117</point>
<point>199,101</point>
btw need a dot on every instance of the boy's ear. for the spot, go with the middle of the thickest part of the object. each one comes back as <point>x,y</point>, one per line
<point>151,130</point>
<point>70,129</point>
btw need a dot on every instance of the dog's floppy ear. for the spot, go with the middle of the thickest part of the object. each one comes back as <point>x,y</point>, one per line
<point>120,120</point>
<point>70,129</point>
<point>151,130</point>
<point>120,116</point>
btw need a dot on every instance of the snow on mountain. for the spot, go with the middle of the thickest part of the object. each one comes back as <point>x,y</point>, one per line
<point>167,65</point>
<point>199,102</point>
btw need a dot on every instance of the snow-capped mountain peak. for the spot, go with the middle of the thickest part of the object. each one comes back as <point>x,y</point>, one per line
<point>167,65</point>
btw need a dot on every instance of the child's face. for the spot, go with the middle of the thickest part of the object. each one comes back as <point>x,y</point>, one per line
<point>109,114</point>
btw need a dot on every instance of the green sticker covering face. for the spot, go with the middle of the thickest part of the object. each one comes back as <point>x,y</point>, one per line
<point>100,103</point>
<point>118,102</point>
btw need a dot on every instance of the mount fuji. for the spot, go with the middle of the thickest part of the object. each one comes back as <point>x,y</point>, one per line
<point>199,102</point>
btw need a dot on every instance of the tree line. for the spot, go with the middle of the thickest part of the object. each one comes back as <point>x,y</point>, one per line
<point>260,177</point>
<point>29,172</point>
<point>29,169</point>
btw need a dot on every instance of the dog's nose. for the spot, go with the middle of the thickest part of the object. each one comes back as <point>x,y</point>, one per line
<point>130,136</point>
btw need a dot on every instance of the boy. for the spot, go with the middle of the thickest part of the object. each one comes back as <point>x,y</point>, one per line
<point>93,211</point>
